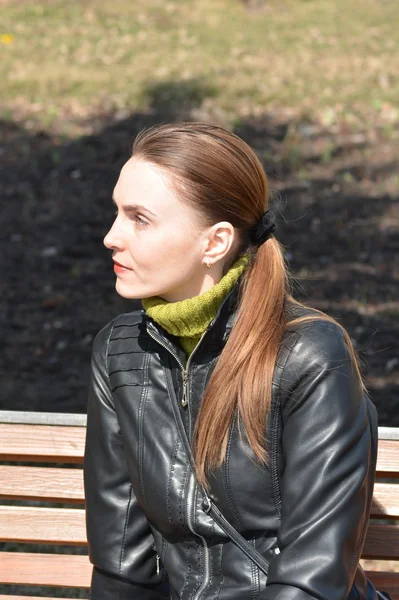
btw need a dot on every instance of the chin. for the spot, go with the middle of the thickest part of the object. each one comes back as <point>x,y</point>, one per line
<point>131,292</point>
<point>127,291</point>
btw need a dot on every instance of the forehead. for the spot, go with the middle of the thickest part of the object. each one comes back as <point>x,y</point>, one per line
<point>144,183</point>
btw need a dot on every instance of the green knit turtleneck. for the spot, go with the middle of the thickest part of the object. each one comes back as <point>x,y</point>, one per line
<point>188,319</point>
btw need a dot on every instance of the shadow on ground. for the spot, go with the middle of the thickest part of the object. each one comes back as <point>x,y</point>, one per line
<point>57,288</point>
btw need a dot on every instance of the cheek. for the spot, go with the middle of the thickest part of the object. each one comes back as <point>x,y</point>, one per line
<point>180,249</point>
<point>166,258</point>
<point>177,243</point>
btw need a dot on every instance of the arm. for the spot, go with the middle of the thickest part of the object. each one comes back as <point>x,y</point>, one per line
<point>120,540</point>
<point>329,448</point>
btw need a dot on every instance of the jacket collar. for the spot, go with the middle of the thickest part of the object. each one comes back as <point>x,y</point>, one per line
<point>220,327</point>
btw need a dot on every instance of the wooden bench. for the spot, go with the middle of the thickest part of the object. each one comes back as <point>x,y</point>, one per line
<point>33,511</point>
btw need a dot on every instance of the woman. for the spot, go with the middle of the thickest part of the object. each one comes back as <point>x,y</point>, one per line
<point>231,444</point>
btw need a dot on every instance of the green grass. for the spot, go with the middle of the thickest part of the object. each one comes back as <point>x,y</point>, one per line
<point>329,60</point>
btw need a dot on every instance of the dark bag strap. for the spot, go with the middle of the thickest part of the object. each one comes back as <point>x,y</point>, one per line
<point>211,509</point>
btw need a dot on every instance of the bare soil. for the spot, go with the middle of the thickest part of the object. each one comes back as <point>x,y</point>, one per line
<point>336,197</point>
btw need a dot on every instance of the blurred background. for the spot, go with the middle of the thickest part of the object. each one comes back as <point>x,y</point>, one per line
<point>311,85</point>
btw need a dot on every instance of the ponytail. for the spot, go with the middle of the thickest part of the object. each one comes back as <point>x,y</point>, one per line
<point>242,379</point>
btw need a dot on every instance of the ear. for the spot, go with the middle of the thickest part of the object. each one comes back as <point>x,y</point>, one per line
<point>218,241</point>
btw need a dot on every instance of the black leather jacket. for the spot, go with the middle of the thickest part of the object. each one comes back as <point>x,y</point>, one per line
<point>306,512</point>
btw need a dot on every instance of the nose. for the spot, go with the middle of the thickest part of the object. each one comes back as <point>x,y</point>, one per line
<point>112,241</point>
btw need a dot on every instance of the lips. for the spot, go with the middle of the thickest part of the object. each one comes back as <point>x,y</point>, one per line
<point>120,265</point>
<point>119,268</point>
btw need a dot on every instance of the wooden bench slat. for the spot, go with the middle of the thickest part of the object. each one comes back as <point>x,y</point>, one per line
<point>57,485</point>
<point>382,542</point>
<point>384,581</point>
<point>30,598</point>
<point>385,501</point>
<point>388,458</point>
<point>47,483</point>
<point>66,570</point>
<point>43,525</point>
<point>41,443</point>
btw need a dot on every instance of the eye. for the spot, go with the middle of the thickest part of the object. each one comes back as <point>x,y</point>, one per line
<point>140,221</point>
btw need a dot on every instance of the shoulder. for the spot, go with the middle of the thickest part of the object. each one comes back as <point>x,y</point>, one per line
<point>120,337</point>
<point>123,326</point>
<point>313,337</point>
<point>317,342</point>
<point>319,365</point>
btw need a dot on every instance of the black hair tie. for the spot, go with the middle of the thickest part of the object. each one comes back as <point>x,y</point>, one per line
<point>259,233</point>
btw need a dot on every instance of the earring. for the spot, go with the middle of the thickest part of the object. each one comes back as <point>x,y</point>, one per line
<point>208,264</point>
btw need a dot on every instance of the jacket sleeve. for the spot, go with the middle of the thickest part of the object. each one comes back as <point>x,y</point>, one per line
<point>119,538</point>
<point>329,451</point>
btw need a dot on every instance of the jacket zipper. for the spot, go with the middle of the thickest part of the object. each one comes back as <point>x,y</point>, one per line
<point>190,512</point>
<point>184,369</point>
<point>192,483</point>
<point>160,558</point>
<point>190,508</point>
<point>157,558</point>
<point>163,550</point>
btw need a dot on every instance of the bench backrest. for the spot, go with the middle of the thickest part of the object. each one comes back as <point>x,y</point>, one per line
<point>42,502</point>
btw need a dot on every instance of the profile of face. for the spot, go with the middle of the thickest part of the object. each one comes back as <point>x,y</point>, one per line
<point>159,247</point>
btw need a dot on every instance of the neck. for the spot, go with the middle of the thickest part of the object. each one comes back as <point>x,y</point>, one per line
<point>187,319</point>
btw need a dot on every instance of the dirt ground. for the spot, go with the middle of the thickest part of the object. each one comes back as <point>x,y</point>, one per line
<point>336,198</point>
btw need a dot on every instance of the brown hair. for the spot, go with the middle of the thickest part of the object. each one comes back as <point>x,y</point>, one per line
<point>221,177</point>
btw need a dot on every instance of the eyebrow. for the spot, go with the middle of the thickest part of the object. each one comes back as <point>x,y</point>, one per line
<point>134,207</point>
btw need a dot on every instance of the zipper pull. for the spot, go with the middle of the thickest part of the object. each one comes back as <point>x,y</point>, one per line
<point>206,504</point>
<point>185,395</point>
<point>157,559</point>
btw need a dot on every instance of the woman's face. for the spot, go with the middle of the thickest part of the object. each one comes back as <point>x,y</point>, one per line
<point>156,241</point>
